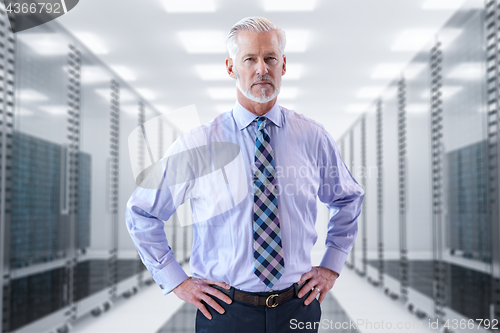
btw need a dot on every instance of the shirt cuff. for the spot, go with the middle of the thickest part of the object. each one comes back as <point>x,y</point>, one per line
<point>170,277</point>
<point>333,259</point>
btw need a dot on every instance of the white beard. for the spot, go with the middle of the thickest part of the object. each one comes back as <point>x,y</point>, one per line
<point>248,94</point>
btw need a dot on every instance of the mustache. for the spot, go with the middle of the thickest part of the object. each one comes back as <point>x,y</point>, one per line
<point>264,78</point>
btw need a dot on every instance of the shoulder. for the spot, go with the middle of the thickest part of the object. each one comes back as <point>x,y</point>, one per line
<point>294,119</point>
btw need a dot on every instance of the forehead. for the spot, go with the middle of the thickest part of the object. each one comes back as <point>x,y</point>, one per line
<point>257,42</point>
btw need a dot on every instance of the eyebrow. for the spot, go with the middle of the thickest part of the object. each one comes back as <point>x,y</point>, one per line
<point>253,54</point>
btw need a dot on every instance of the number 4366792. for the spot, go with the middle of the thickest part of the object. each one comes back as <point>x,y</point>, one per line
<point>33,8</point>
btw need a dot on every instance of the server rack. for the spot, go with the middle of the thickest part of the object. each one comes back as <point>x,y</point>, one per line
<point>447,134</point>
<point>65,115</point>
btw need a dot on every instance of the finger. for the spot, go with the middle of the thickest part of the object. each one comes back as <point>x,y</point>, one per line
<point>305,276</point>
<point>308,286</point>
<point>322,296</point>
<point>220,284</point>
<point>210,301</point>
<point>217,293</point>
<point>203,310</point>
<point>311,297</point>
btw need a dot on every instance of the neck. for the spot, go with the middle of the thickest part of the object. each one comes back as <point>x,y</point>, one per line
<point>256,108</point>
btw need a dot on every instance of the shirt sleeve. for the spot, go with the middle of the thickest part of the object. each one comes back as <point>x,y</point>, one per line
<point>148,207</point>
<point>343,196</point>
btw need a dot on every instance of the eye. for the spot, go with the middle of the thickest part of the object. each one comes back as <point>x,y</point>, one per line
<point>248,59</point>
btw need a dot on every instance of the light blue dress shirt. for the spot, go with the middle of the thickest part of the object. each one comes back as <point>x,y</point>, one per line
<point>308,165</point>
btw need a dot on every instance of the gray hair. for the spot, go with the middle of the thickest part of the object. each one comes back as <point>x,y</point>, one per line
<point>257,24</point>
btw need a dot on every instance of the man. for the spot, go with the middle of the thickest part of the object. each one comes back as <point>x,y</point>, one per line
<point>251,264</point>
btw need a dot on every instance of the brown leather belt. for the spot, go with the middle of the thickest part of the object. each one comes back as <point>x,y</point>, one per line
<point>272,300</point>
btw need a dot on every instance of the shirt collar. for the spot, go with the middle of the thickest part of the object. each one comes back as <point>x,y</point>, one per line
<point>243,117</point>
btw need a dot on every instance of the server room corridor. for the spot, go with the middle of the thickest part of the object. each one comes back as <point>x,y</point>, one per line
<point>97,97</point>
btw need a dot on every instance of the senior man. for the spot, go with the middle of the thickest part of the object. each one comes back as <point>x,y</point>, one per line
<point>250,265</point>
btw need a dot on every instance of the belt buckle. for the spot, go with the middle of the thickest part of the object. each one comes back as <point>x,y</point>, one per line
<point>272,305</point>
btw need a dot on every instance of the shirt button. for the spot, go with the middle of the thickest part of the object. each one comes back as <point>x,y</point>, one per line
<point>161,286</point>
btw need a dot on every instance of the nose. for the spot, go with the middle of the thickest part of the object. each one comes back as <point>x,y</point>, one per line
<point>261,67</point>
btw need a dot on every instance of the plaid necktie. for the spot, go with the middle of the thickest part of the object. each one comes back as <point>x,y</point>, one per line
<point>268,253</point>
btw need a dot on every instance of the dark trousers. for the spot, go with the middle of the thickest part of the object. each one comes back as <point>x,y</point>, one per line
<point>243,317</point>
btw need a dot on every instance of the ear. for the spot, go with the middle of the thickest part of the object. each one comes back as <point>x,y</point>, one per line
<point>229,67</point>
<point>283,70</point>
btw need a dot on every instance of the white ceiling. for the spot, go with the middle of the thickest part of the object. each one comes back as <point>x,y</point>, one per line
<point>335,73</point>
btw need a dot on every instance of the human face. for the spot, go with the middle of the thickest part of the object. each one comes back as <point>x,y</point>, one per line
<point>258,66</point>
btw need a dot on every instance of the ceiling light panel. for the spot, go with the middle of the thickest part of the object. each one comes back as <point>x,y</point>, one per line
<point>417,108</point>
<point>94,74</point>
<point>468,71</point>
<point>203,41</point>
<point>297,40</point>
<point>213,72</point>
<point>55,110</point>
<point>387,71</point>
<point>369,92</point>
<point>356,108</point>
<point>189,6</point>
<point>44,44</point>
<point>294,71</point>
<point>447,92</point>
<point>124,72</point>
<point>125,95</point>
<point>30,95</point>
<point>442,4</point>
<point>93,42</point>
<point>147,94</point>
<point>289,5</point>
<point>412,40</point>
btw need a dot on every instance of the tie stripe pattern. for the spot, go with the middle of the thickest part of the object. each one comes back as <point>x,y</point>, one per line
<point>268,252</point>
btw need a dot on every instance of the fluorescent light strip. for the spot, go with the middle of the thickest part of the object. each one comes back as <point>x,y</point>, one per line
<point>452,5</point>
<point>202,41</point>
<point>44,44</point>
<point>93,42</point>
<point>447,91</point>
<point>417,108</point>
<point>289,5</point>
<point>125,95</point>
<point>387,70</point>
<point>356,108</point>
<point>124,72</point>
<point>369,92</point>
<point>393,70</point>
<point>147,94</point>
<point>412,40</point>
<point>30,95</point>
<point>215,72</point>
<point>55,110</point>
<point>467,71</point>
<point>95,74</point>
<point>189,6</point>
<point>297,40</point>
<point>293,72</point>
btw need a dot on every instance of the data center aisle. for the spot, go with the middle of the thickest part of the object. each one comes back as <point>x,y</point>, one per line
<point>351,301</point>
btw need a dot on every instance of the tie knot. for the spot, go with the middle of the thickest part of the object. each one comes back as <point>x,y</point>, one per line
<point>261,122</point>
